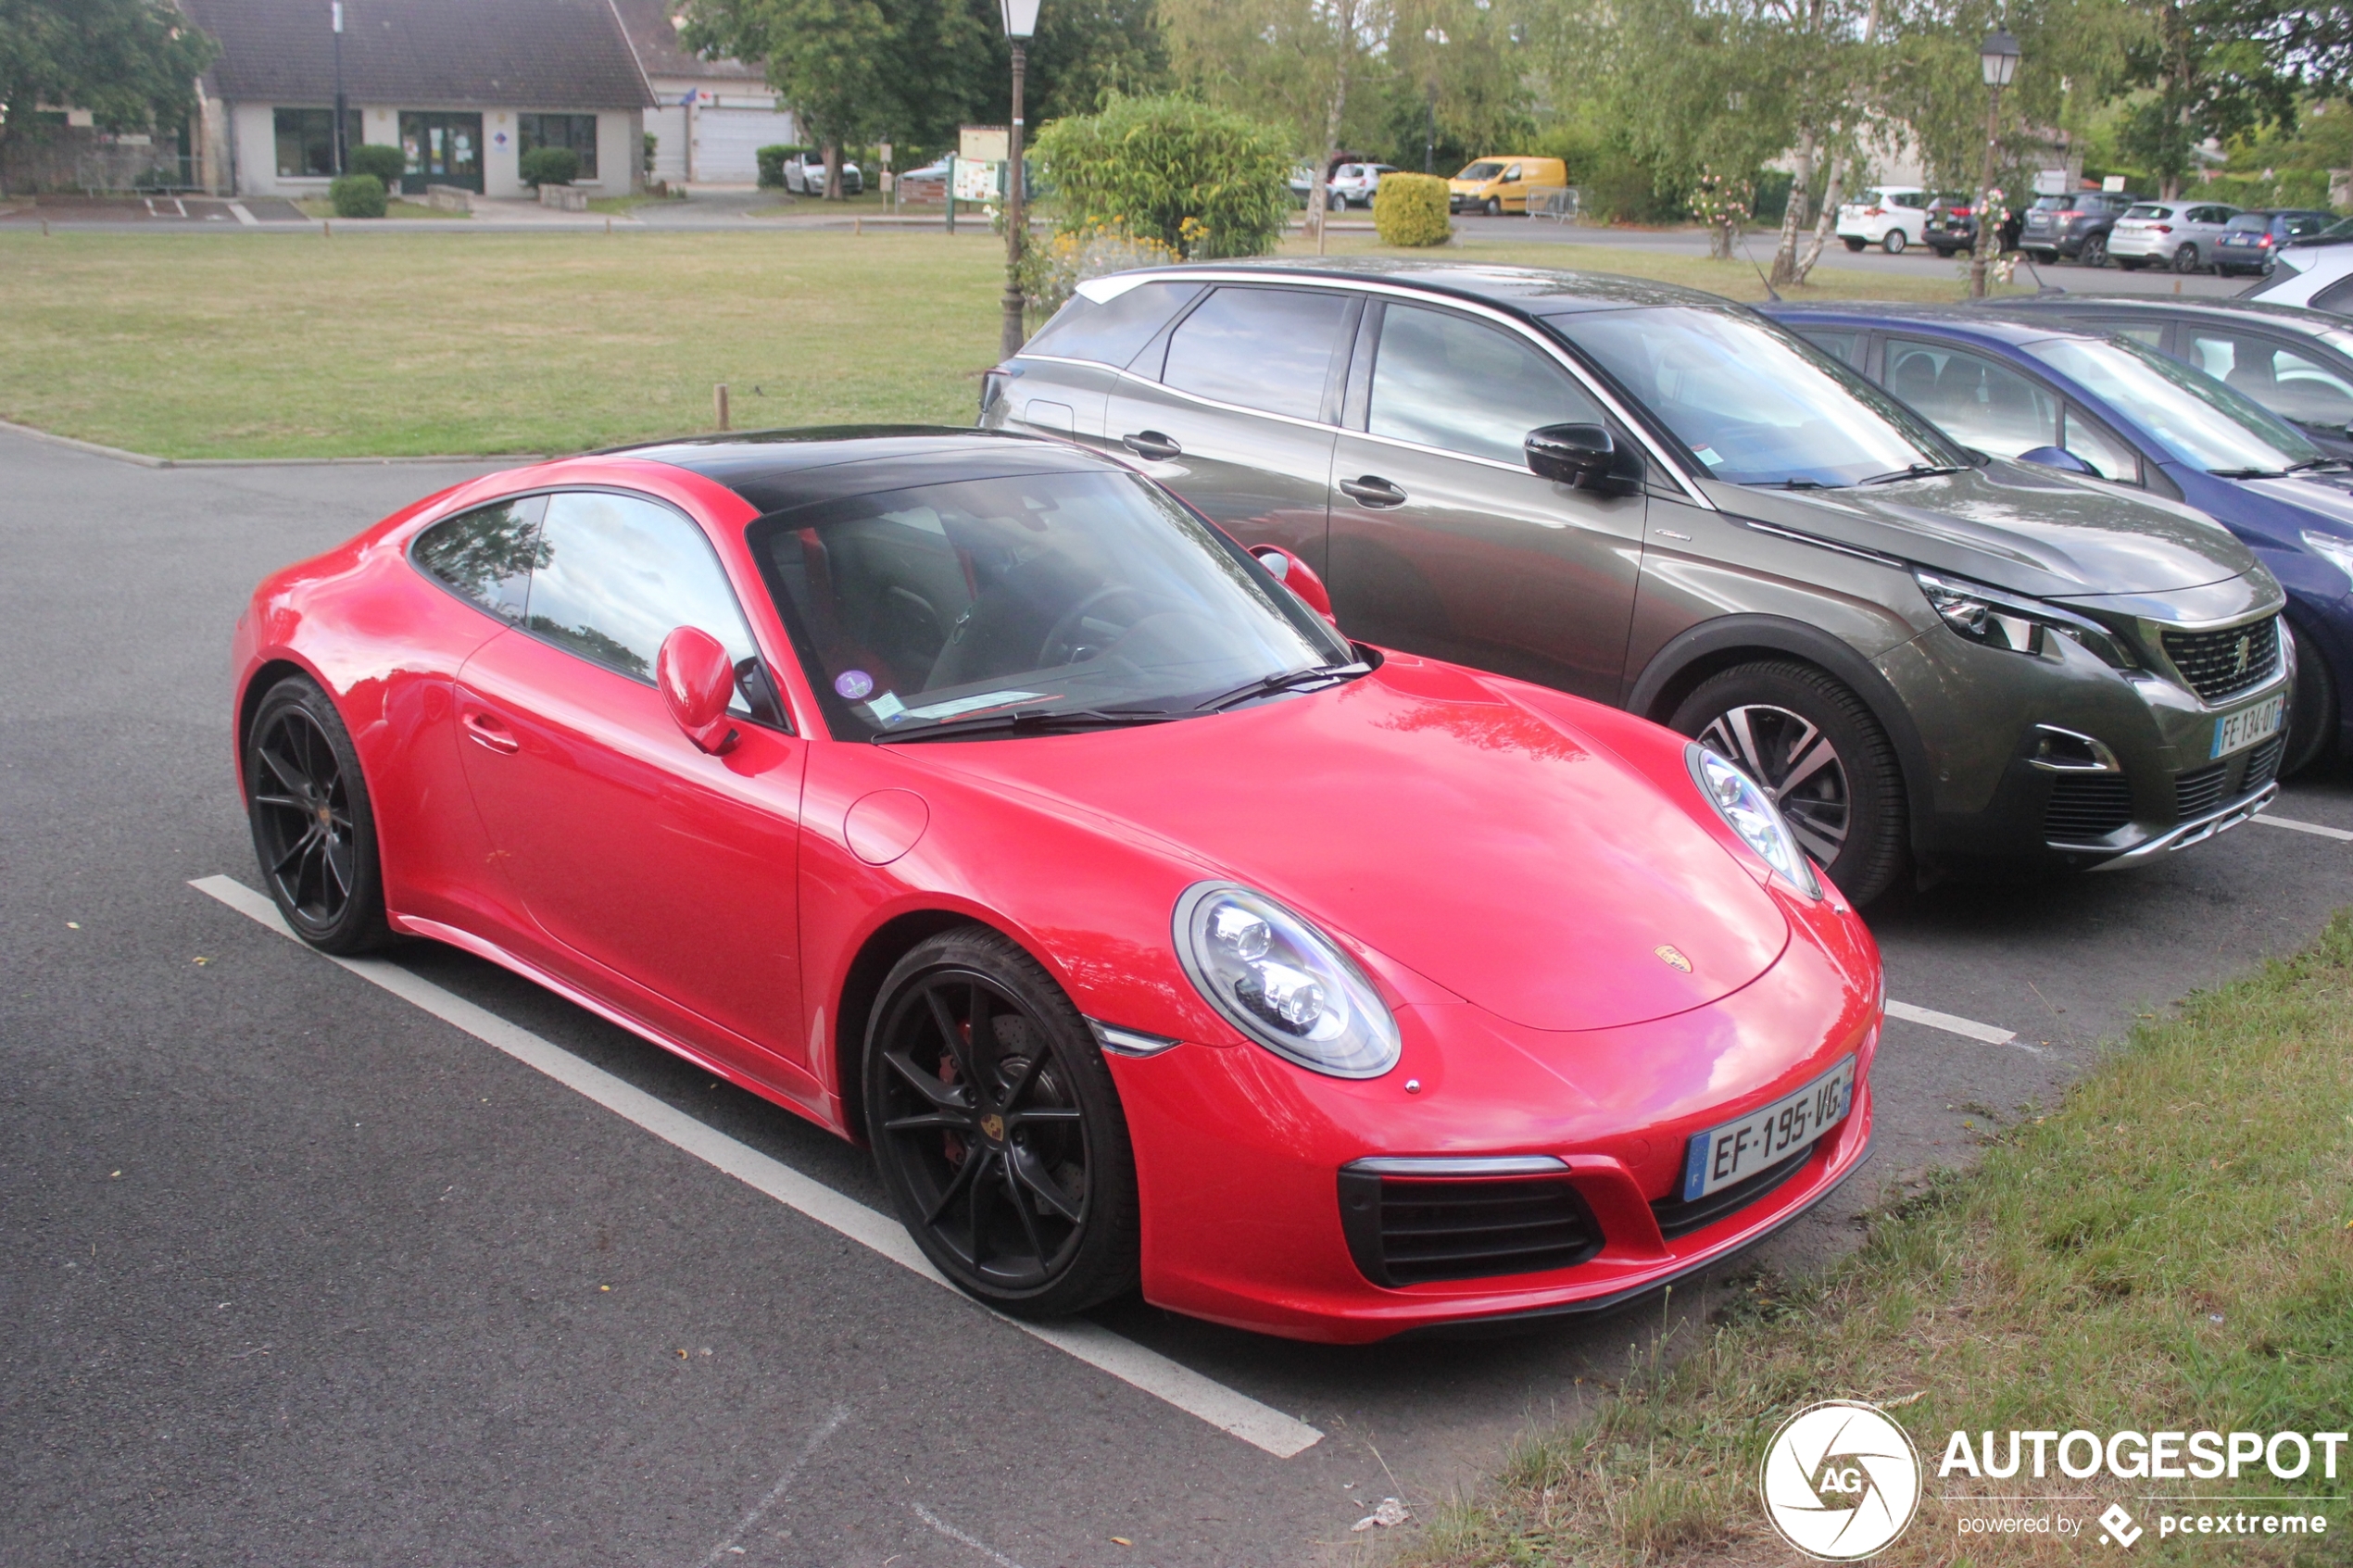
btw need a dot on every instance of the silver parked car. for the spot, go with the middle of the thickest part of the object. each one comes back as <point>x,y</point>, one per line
<point>1353,183</point>
<point>2179,234</point>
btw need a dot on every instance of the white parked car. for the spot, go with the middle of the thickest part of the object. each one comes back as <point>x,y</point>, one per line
<point>1353,184</point>
<point>2316,273</point>
<point>1891,216</point>
<point>805,175</point>
<point>2179,234</point>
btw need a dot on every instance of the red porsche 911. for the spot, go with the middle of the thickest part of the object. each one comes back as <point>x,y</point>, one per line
<point>972,798</point>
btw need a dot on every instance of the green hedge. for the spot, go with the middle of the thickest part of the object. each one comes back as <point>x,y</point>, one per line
<point>1410,209</point>
<point>387,164</point>
<point>549,166</point>
<point>1206,183</point>
<point>771,163</point>
<point>358,195</point>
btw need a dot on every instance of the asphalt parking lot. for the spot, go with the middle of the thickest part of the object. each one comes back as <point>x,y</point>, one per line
<point>300,1270</point>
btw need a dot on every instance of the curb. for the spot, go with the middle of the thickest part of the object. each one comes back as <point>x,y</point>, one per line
<point>145,461</point>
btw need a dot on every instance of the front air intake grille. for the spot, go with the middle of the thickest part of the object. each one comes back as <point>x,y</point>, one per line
<point>2263,763</point>
<point>2087,806</point>
<point>1407,1231</point>
<point>2216,664</point>
<point>1678,1218</point>
<point>2201,789</point>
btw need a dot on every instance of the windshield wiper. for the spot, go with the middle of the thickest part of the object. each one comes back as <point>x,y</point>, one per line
<point>2248,473</point>
<point>1031,720</point>
<point>1918,471</point>
<point>1792,484</point>
<point>2315,465</point>
<point>1288,681</point>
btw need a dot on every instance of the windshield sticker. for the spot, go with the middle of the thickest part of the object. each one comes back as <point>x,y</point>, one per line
<point>854,684</point>
<point>887,709</point>
<point>1707,454</point>
<point>968,705</point>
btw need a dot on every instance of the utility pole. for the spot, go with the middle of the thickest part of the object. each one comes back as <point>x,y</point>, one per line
<point>341,151</point>
<point>1998,58</point>
<point>1021,23</point>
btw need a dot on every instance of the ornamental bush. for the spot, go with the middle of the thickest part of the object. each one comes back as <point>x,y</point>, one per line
<point>358,195</point>
<point>772,164</point>
<point>1410,209</point>
<point>549,166</point>
<point>387,164</point>
<point>1205,182</point>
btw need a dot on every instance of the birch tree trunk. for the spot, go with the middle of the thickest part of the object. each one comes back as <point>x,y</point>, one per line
<point>1786,254</point>
<point>1827,219</point>
<point>1336,111</point>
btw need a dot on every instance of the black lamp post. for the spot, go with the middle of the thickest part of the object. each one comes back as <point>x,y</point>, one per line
<point>336,11</point>
<point>1998,56</point>
<point>1021,22</point>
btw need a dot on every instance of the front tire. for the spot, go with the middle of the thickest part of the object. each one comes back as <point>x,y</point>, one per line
<point>314,830</point>
<point>1495,206</point>
<point>1814,747</point>
<point>998,1130</point>
<point>1893,242</point>
<point>1853,243</point>
<point>2312,716</point>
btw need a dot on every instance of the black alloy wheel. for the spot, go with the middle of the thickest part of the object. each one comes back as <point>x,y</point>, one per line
<point>2095,251</point>
<point>998,1130</point>
<point>2186,259</point>
<point>1815,748</point>
<point>2312,712</point>
<point>312,828</point>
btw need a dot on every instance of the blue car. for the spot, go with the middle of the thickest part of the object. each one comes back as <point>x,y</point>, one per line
<point>2110,407</point>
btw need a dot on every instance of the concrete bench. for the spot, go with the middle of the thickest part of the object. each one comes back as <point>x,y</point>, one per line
<point>563,198</point>
<point>449,198</point>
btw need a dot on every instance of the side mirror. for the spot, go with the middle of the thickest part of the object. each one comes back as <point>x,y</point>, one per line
<point>697,678</point>
<point>1583,457</point>
<point>1299,577</point>
<point>2062,458</point>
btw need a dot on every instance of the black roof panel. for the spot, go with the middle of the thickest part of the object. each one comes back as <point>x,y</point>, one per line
<point>776,470</point>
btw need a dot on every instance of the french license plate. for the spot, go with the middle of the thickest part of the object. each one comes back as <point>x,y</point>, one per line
<point>2234,731</point>
<point>1737,1150</point>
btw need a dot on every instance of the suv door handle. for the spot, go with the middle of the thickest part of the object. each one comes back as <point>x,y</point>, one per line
<point>1372,491</point>
<point>485,730</point>
<point>1153,445</point>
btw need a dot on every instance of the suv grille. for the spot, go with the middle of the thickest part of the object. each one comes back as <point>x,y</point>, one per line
<point>1678,1218</point>
<point>2087,806</point>
<point>2217,663</point>
<point>1404,1231</point>
<point>2202,789</point>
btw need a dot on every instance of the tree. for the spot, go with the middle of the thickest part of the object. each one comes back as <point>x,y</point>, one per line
<point>133,64</point>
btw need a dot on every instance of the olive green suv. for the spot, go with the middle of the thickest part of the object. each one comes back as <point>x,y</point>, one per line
<point>1658,499</point>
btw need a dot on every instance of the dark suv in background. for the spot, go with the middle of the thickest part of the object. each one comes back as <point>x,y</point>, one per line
<point>2074,225</point>
<point>1658,499</point>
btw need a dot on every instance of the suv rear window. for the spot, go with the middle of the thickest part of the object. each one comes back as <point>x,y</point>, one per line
<point>1114,331</point>
<point>2150,209</point>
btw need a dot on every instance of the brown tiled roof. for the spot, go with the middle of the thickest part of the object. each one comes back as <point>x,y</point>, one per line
<point>655,36</point>
<point>424,54</point>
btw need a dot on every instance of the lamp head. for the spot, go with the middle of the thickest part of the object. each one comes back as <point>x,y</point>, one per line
<point>1020,18</point>
<point>1998,56</point>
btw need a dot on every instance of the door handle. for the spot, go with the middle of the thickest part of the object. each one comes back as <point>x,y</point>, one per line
<point>1372,491</point>
<point>485,730</point>
<point>1153,445</point>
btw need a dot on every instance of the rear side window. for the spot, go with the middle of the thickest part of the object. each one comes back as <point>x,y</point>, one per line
<point>1114,330</point>
<point>1269,349</point>
<point>616,574</point>
<point>1846,347</point>
<point>486,555</point>
<point>1462,387</point>
<point>1975,400</point>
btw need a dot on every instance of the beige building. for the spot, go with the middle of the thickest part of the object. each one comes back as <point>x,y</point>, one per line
<point>711,117</point>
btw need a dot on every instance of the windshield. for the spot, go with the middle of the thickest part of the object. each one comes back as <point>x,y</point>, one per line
<point>1484,171</point>
<point>2178,405</point>
<point>1753,402</point>
<point>1052,592</point>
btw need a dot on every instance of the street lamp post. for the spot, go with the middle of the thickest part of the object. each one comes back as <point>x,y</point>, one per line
<point>1998,56</point>
<point>335,142</point>
<point>1021,22</point>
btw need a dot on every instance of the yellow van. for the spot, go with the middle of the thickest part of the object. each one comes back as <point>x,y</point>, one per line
<point>1501,184</point>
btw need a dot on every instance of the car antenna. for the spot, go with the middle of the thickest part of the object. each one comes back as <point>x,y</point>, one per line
<point>2041,288</point>
<point>1770,292</point>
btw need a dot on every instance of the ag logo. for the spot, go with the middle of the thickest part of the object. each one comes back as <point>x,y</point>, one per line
<point>1841,1480</point>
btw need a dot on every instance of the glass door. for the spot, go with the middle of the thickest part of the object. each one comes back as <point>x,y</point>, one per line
<point>441,149</point>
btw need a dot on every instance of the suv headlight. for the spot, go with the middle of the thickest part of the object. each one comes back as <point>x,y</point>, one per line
<point>1748,811</point>
<point>1996,620</point>
<point>2334,548</point>
<point>1283,982</point>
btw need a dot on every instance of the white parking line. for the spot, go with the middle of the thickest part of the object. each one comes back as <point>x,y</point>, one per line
<point>2294,826</point>
<point>1952,1024</point>
<point>1259,1425</point>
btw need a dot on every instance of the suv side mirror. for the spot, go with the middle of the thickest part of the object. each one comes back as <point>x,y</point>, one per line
<point>697,678</point>
<point>1583,457</point>
<point>1298,576</point>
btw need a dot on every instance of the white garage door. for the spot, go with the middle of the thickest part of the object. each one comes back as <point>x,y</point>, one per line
<point>727,143</point>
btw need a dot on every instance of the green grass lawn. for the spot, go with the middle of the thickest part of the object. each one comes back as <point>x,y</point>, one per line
<point>2172,1249</point>
<point>379,345</point>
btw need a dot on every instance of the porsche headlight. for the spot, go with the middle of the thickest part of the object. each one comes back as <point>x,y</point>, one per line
<point>1748,812</point>
<point>2018,624</point>
<point>1283,982</point>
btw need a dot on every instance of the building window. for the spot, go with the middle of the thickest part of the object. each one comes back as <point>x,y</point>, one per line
<point>307,141</point>
<point>577,132</point>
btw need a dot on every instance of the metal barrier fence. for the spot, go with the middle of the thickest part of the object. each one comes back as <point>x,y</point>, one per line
<point>1558,203</point>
